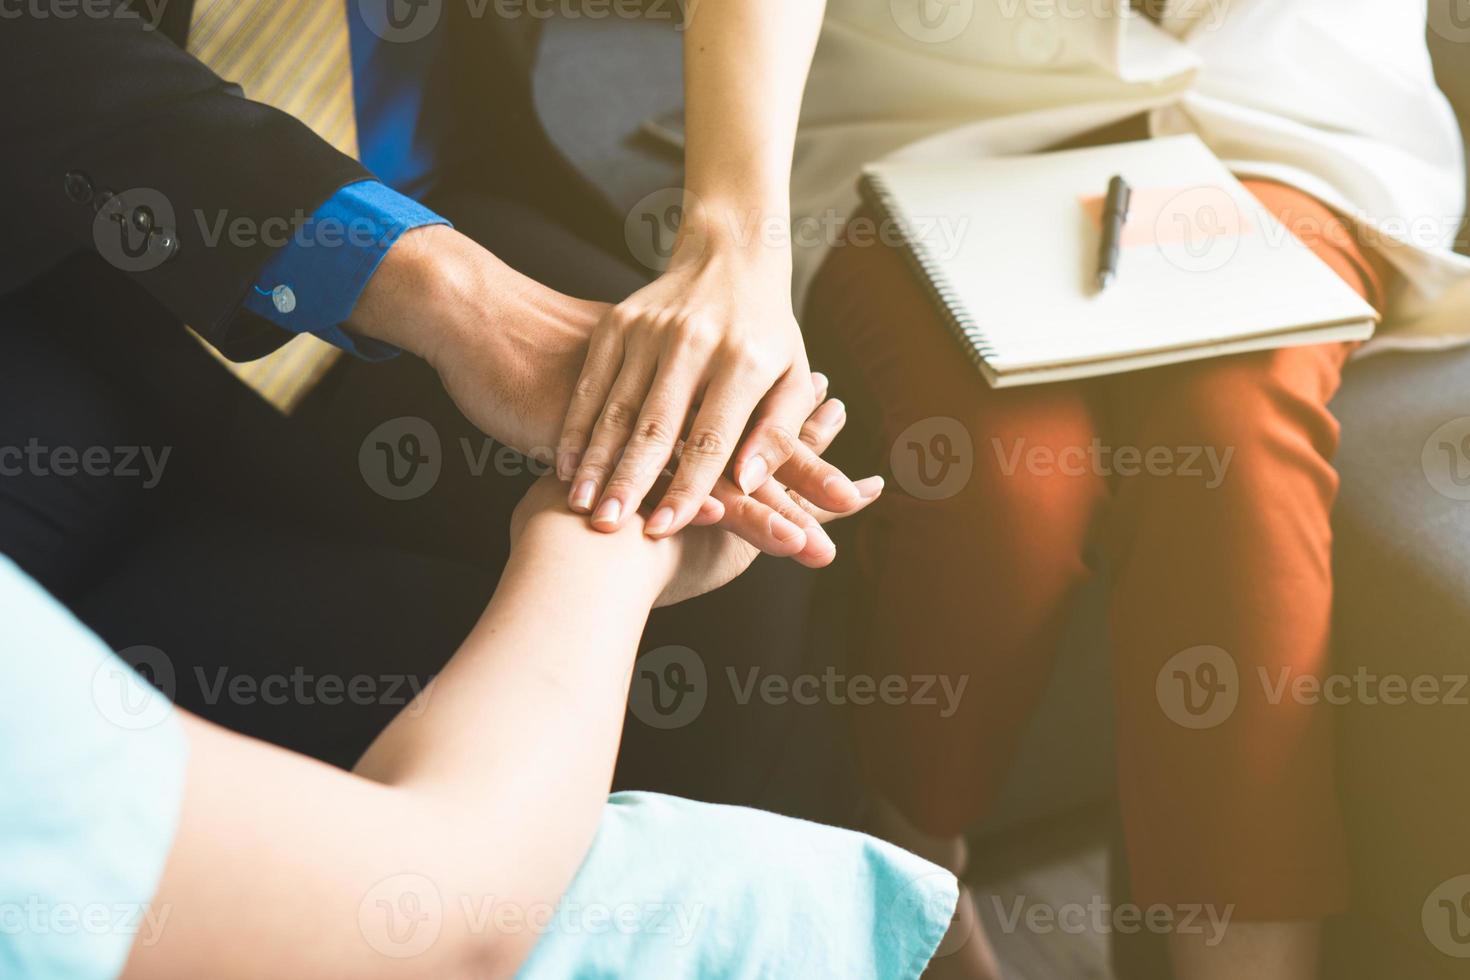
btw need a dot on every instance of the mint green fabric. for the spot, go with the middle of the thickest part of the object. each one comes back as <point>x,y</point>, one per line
<point>675,889</point>
<point>91,780</point>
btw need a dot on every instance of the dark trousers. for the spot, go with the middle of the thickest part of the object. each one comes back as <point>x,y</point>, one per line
<point>259,569</point>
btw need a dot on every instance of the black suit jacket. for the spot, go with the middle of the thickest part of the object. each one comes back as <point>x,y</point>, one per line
<point>100,106</point>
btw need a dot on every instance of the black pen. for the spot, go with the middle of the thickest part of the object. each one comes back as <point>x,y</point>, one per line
<point>1115,214</point>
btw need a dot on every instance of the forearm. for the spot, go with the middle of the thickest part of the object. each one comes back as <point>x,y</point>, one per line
<point>521,729</point>
<point>745,67</point>
<point>481,798</point>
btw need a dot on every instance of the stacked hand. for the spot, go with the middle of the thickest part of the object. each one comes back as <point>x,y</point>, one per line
<point>658,378</point>
<point>707,354</point>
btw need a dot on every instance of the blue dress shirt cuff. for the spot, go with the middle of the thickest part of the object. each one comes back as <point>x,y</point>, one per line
<point>312,284</point>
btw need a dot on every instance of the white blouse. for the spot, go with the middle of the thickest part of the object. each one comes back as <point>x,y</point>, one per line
<point>1336,97</point>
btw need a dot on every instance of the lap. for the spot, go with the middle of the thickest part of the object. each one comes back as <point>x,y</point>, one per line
<point>871,323</point>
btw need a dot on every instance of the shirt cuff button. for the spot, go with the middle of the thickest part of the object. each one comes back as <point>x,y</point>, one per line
<point>284,299</point>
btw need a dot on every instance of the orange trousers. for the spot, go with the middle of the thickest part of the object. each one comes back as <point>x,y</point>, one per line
<point>1206,488</point>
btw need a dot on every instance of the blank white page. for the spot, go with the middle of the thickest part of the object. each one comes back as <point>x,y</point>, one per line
<point>1013,243</point>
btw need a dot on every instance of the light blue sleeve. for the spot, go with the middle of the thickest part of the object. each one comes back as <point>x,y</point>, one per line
<point>312,284</point>
<point>673,888</point>
<point>91,779</point>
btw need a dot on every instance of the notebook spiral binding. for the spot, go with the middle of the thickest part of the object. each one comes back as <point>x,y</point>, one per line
<point>875,193</point>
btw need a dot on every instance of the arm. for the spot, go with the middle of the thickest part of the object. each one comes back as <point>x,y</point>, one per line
<point>313,283</point>
<point>508,350</point>
<point>717,327</point>
<point>486,789</point>
<point>110,105</point>
<point>485,792</point>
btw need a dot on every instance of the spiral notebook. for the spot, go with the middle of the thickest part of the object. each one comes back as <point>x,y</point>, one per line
<point>1008,247</point>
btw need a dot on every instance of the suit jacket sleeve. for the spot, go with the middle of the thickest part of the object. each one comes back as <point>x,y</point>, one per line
<point>122,144</point>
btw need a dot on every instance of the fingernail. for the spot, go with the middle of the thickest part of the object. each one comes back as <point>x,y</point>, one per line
<point>869,486</point>
<point>566,465</point>
<point>609,512</point>
<point>832,409</point>
<point>661,521</point>
<point>753,473</point>
<point>785,531</point>
<point>818,544</point>
<point>582,496</point>
<point>819,381</point>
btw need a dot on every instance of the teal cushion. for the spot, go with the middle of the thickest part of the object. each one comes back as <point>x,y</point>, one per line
<point>676,889</point>
<point>91,781</point>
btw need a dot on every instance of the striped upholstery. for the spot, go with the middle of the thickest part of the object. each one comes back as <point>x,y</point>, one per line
<point>1152,9</point>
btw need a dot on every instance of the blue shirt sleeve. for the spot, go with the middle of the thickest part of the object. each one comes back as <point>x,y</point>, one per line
<point>312,284</point>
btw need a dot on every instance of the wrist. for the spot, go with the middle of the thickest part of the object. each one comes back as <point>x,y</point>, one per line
<point>411,300</point>
<point>755,233</point>
<point>642,567</point>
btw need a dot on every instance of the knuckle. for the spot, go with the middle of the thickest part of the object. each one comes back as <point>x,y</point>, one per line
<point>750,358</point>
<point>693,330</point>
<point>704,444</point>
<point>812,434</point>
<point>747,511</point>
<point>780,439</point>
<point>655,429</point>
<point>623,317</point>
<point>588,388</point>
<point>619,415</point>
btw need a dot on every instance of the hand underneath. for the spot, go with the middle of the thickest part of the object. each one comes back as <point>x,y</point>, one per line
<point>709,355</point>
<point>509,351</point>
<point>704,556</point>
<point>507,348</point>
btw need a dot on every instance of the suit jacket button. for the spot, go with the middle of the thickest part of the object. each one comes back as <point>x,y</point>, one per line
<point>78,187</point>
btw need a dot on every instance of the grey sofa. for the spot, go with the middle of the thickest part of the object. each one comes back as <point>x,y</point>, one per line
<point>1402,559</point>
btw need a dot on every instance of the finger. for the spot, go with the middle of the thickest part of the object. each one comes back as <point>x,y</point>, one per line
<point>808,473</point>
<point>775,429</point>
<point>823,425</point>
<point>757,523</point>
<point>869,488</point>
<point>599,370</point>
<point>614,426</point>
<point>710,512</point>
<point>651,445</point>
<point>819,550</point>
<point>706,450</point>
<point>819,387</point>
